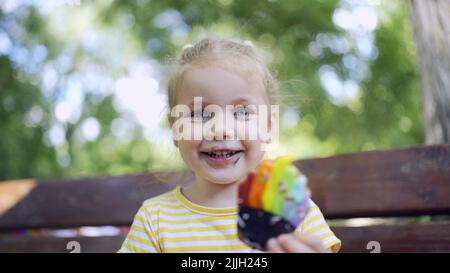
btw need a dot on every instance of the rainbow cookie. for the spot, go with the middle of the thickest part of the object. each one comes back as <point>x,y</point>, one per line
<point>273,200</point>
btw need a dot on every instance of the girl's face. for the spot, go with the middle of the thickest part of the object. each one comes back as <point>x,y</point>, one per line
<point>218,158</point>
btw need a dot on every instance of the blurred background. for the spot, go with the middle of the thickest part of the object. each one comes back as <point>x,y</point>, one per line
<point>82,83</point>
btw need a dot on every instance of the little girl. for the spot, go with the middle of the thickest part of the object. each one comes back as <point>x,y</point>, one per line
<point>203,216</point>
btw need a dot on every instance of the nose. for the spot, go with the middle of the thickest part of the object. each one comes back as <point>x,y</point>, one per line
<point>223,128</point>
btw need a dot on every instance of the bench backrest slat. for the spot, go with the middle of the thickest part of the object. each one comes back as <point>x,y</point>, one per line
<point>88,202</point>
<point>420,237</point>
<point>400,182</point>
<point>427,237</point>
<point>25,244</point>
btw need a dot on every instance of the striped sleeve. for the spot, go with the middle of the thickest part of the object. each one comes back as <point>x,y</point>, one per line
<point>315,224</point>
<point>141,237</point>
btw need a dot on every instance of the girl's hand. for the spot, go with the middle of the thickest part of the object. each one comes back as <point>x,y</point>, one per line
<point>295,243</point>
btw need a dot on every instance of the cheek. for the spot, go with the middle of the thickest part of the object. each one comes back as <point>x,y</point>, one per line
<point>254,152</point>
<point>255,129</point>
<point>189,150</point>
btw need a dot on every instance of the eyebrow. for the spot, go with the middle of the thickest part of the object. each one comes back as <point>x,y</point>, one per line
<point>241,100</point>
<point>191,103</point>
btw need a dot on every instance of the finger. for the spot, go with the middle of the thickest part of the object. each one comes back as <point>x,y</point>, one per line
<point>273,246</point>
<point>290,243</point>
<point>312,241</point>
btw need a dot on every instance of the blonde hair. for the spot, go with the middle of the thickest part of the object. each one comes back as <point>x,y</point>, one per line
<point>227,52</point>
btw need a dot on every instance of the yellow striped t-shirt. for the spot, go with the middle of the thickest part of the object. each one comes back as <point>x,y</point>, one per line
<point>172,223</point>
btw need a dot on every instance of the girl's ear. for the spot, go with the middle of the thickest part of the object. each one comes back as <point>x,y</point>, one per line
<point>171,120</point>
<point>273,124</point>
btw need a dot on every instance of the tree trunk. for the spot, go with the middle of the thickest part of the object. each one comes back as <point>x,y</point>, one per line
<point>431,23</point>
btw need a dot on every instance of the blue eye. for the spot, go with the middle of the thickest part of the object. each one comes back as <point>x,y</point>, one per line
<point>200,115</point>
<point>242,113</point>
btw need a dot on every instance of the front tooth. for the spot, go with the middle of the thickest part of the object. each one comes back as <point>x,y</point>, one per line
<point>221,154</point>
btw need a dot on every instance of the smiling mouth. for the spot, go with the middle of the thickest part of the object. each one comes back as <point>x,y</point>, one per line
<point>221,154</point>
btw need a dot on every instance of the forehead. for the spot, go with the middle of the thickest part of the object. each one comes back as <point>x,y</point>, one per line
<point>221,85</point>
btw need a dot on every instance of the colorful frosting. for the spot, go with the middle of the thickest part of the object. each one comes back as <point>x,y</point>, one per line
<point>278,188</point>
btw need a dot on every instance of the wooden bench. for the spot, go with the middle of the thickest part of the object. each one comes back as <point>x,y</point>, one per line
<point>394,183</point>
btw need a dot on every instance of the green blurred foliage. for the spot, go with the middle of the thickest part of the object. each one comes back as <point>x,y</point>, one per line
<point>385,112</point>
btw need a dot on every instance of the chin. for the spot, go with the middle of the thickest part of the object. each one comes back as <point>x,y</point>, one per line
<point>223,179</point>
